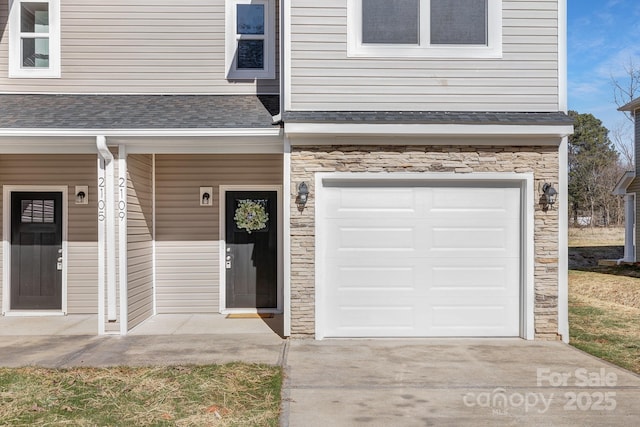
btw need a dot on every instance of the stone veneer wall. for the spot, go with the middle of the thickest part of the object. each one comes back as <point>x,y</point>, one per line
<point>307,160</point>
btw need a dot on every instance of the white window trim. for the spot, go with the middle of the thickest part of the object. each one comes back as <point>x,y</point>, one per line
<point>355,47</point>
<point>15,68</point>
<point>269,71</point>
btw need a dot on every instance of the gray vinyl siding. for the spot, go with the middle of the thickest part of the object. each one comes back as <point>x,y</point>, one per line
<point>139,239</point>
<point>187,234</point>
<point>137,46</point>
<point>324,78</point>
<point>82,229</point>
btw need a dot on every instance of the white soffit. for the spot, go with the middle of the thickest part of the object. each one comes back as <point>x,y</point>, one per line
<point>159,141</point>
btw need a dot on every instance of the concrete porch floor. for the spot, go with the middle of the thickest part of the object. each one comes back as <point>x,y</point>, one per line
<point>161,324</point>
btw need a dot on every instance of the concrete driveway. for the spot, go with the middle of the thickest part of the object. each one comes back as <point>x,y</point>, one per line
<point>457,382</point>
<point>418,382</point>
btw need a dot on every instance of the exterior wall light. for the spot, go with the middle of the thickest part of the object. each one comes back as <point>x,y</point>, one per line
<point>303,195</point>
<point>82,194</point>
<point>205,196</point>
<point>550,195</point>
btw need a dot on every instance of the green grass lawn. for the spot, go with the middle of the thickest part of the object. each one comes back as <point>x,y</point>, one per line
<point>221,395</point>
<point>603,317</point>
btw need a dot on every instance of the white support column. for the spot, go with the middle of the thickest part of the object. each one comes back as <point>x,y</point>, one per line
<point>629,226</point>
<point>101,245</point>
<point>106,205</point>
<point>563,241</point>
<point>122,239</point>
<point>286,235</point>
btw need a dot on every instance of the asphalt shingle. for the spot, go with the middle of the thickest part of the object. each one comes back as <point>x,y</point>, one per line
<point>137,111</point>
<point>429,117</point>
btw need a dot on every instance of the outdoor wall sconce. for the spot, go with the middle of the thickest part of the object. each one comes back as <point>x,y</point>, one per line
<point>550,196</point>
<point>82,194</point>
<point>303,195</point>
<point>205,196</point>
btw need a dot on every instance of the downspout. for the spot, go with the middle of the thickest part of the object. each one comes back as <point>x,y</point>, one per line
<point>106,205</point>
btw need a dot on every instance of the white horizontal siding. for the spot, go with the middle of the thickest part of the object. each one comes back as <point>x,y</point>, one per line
<point>187,234</point>
<point>324,78</point>
<point>137,46</point>
<point>82,254</point>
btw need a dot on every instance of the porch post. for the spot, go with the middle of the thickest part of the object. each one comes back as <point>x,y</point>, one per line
<point>629,225</point>
<point>122,240</point>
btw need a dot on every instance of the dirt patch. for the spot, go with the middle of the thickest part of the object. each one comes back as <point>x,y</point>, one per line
<point>587,257</point>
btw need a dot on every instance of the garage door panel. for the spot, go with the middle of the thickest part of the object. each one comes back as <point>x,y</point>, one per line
<point>375,318</point>
<point>394,237</point>
<point>379,276</point>
<point>482,202</point>
<point>373,203</point>
<point>476,240</point>
<point>472,277</point>
<point>490,320</point>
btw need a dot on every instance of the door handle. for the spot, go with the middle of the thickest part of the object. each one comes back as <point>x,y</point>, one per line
<point>227,262</point>
<point>59,261</point>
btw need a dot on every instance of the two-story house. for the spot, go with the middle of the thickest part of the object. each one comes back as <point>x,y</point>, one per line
<point>365,167</point>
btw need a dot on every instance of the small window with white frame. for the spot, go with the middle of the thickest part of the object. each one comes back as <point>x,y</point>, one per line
<point>250,39</point>
<point>425,28</point>
<point>34,39</point>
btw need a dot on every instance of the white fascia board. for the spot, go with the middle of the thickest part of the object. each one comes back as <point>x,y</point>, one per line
<point>359,129</point>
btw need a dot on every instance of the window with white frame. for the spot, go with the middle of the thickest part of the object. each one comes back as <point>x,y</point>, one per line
<point>250,39</point>
<point>34,38</point>
<point>425,28</point>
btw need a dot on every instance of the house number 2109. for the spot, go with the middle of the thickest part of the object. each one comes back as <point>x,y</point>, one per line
<point>122,205</point>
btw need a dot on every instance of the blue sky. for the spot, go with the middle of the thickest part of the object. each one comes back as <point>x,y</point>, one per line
<point>603,35</point>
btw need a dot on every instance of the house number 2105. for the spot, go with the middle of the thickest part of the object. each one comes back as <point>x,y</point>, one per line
<point>101,203</point>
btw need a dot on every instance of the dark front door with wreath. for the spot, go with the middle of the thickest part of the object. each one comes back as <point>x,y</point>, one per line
<point>251,258</point>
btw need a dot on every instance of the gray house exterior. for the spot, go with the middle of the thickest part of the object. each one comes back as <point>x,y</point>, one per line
<point>350,164</point>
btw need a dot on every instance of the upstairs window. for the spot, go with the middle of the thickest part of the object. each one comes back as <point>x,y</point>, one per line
<point>250,44</point>
<point>425,28</point>
<point>34,39</point>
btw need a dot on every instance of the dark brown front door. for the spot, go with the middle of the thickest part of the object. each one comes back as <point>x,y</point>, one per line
<point>36,250</point>
<point>251,257</point>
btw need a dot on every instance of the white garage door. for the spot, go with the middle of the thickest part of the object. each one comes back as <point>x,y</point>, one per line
<point>419,261</point>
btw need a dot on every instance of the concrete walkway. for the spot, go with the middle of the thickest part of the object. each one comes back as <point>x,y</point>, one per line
<point>417,382</point>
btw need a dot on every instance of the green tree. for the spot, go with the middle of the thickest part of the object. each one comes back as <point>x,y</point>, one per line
<point>593,171</point>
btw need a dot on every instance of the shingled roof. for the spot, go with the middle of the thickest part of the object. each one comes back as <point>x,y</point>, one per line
<point>137,111</point>
<point>429,117</point>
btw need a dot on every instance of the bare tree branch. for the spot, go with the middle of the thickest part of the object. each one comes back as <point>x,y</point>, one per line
<point>623,139</point>
<point>626,89</point>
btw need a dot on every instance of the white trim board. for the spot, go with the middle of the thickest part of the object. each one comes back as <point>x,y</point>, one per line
<point>528,196</point>
<point>145,143</point>
<point>6,244</point>
<point>429,130</point>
